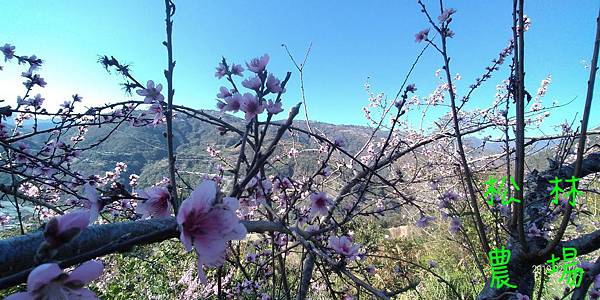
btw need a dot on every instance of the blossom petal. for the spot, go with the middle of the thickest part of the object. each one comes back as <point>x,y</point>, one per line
<point>20,296</point>
<point>86,272</point>
<point>42,275</point>
<point>204,195</point>
<point>77,219</point>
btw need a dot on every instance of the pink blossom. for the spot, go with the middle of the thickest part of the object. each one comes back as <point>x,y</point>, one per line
<point>233,103</point>
<point>319,204</point>
<point>421,35</point>
<point>252,83</point>
<point>223,93</point>
<point>446,14</point>
<point>258,64</point>
<point>344,246</point>
<point>48,281</point>
<point>157,203</point>
<point>252,106</point>
<point>96,205</point>
<point>274,85</point>
<point>221,71</point>
<point>63,229</point>
<point>8,51</point>
<point>157,109</point>
<point>274,107</point>
<point>237,70</point>
<point>207,226</point>
<point>151,92</point>
<point>37,101</point>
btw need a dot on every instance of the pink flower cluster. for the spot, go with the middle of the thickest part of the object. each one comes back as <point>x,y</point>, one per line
<point>262,84</point>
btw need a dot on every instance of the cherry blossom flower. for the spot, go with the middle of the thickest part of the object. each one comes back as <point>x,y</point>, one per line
<point>221,71</point>
<point>151,92</point>
<point>252,83</point>
<point>258,64</point>
<point>223,93</point>
<point>344,246</point>
<point>320,204</point>
<point>274,85</point>
<point>411,88</point>
<point>37,101</point>
<point>8,51</point>
<point>62,229</point>
<point>157,109</point>
<point>233,103</point>
<point>157,203</point>
<point>252,106</point>
<point>48,281</point>
<point>446,14</point>
<point>274,107</point>
<point>207,226</point>
<point>237,70</point>
<point>421,35</point>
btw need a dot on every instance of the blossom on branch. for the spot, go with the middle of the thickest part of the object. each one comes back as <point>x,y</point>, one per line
<point>252,83</point>
<point>232,103</point>
<point>151,92</point>
<point>8,51</point>
<point>344,246</point>
<point>274,85</point>
<point>48,281</point>
<point>274,107</point>
<point>446,14</point>
<point>258,64</point>
<point>320,204</point>
<point>252,106</point>
<point>208,225</point>
<point>62,229</point>
<point>421,35</point>
<point>157,203</point>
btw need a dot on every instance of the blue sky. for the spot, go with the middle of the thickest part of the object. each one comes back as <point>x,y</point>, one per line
<point>352,41</point>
